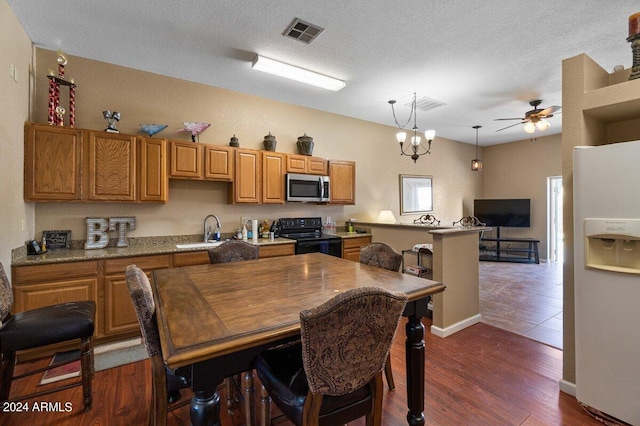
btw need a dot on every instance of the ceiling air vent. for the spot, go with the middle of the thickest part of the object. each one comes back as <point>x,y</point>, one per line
<point>302,31</point>
<point>426,104</point>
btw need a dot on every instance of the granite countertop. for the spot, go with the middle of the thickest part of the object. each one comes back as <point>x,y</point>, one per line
<point>140,246</point>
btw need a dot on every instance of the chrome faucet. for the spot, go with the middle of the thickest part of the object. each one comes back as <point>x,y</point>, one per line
<point>207,230</point>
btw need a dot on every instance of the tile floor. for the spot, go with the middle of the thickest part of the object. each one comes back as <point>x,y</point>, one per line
<point>525,299</point>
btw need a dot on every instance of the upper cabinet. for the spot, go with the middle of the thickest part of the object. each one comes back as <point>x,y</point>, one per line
<point>273,171</point>
<point>64,164</point>
<point>52,159</point>
<point>198,161</point>
<point>247,181</point>
<point>343,182</point>
<point>112,167</point>
<point>152,173</point>
<point>186,160</point>
<point>305,164</point>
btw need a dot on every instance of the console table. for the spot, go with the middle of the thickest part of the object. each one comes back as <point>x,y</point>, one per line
<point>531,250</point>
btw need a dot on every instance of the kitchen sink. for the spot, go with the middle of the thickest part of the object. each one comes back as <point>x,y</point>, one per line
<point>199,245</point>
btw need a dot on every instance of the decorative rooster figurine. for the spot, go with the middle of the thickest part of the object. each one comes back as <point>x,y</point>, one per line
<point>194,128</point>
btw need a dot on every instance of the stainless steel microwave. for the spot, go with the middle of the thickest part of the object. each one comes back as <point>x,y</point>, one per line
<point>312,188</point>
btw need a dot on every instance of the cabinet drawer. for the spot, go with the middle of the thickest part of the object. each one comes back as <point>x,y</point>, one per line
<point>277,250</point>
<point>191,258</point>
<point>53,272</point>
<point>355,242</point>
<point>114,266</point>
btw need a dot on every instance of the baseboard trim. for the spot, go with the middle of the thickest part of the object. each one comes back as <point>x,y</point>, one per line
<point>567,387</point>
<point>454,328</point>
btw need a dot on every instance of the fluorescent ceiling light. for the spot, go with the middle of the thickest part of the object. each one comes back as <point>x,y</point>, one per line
<point>281,69</point>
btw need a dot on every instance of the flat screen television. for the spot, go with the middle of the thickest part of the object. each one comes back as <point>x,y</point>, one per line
<point>513,213</point>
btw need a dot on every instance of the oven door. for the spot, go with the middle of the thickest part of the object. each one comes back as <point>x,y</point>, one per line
<point>332,247</point>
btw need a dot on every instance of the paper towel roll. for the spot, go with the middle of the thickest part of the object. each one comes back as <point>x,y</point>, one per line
<point>254,229</point>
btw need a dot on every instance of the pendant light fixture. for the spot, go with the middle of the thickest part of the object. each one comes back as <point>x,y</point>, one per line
<point>476,163</point>
<point>415,139</point>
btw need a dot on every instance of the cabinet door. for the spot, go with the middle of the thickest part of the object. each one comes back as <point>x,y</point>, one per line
<point>316,166</point>
<point>111,167</point>
<point>119,314</point>
<point>273,170</point>
<point>218,162</point>
<point>152,176</point>
<point>52,163</point>
<point>247,180</point>
<point>343,182</point>
<point>296,163</point>
<point>186,160</point>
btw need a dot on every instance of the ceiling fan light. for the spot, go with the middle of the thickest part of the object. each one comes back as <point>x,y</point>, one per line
<point>529,127</point>
<point>543,125</point>
<point>430,134</point>
<point>401,137</point>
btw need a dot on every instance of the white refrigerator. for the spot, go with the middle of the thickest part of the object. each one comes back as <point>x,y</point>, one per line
<point>607,278</point>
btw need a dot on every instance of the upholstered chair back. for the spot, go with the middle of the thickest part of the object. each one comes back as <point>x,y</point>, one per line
<point>345,341</point>
<point>381,255</point>
<point>142,298</point>
<point>6,295</point>
<point>233,251</point>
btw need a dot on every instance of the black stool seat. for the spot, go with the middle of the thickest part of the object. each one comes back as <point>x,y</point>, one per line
<point>48,325</point>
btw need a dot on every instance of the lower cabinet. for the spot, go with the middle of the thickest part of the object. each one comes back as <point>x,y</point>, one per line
<point>351,247</point>
<point>119,315</point>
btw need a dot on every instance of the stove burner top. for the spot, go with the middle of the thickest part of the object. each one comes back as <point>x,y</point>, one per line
<point>304,229</point>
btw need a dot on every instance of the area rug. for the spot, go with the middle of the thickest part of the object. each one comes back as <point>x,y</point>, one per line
<point>105,357</point>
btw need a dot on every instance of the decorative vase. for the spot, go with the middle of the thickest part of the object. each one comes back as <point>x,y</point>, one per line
<point>234,142</point>
<point>269,142</point>
<point>305,145</point>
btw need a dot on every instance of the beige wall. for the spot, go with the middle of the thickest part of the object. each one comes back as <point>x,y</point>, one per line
<point>16,49</point>
<point>520,170</point>
<point>143,97</point>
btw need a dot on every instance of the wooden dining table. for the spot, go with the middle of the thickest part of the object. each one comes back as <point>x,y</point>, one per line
<point>217,318</point>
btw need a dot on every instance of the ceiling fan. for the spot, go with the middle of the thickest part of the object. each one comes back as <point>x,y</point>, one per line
<point>535,118</point>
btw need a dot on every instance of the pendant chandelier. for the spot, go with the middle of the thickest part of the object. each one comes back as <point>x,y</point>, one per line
<point>476,163</point>
<point>417,149</point>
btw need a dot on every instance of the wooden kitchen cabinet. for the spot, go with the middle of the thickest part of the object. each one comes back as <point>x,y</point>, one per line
<point>273,172</point>
<point>119,314</point>
<point>111,170</point>
<point>152,172</point>
<point>52,162</point>
<point>343,182</point>
<point>218,162</point>
<point>306,165</point>
<point>247,182</point>
<point>351,247</point>
<point>186,160</point>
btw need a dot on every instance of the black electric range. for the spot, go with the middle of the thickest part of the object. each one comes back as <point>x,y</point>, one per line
<point>307,232</point>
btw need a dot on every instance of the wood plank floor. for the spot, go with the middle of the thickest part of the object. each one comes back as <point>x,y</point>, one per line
<point>479,376</point>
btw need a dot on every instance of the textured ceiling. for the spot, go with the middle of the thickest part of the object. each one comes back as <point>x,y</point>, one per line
<point>483,60</point>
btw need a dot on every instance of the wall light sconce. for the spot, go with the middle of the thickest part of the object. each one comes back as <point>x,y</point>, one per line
<point>292,72</point>
<point>415,139</point>
<point>476,163</point>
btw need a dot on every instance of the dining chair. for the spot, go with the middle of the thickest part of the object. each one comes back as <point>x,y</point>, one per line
<point>64,322</point>
<point>334,374</point>
<point>166,383</point>
<point>233,251</point>
<point>383,256</point>
<point>236,251</point>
